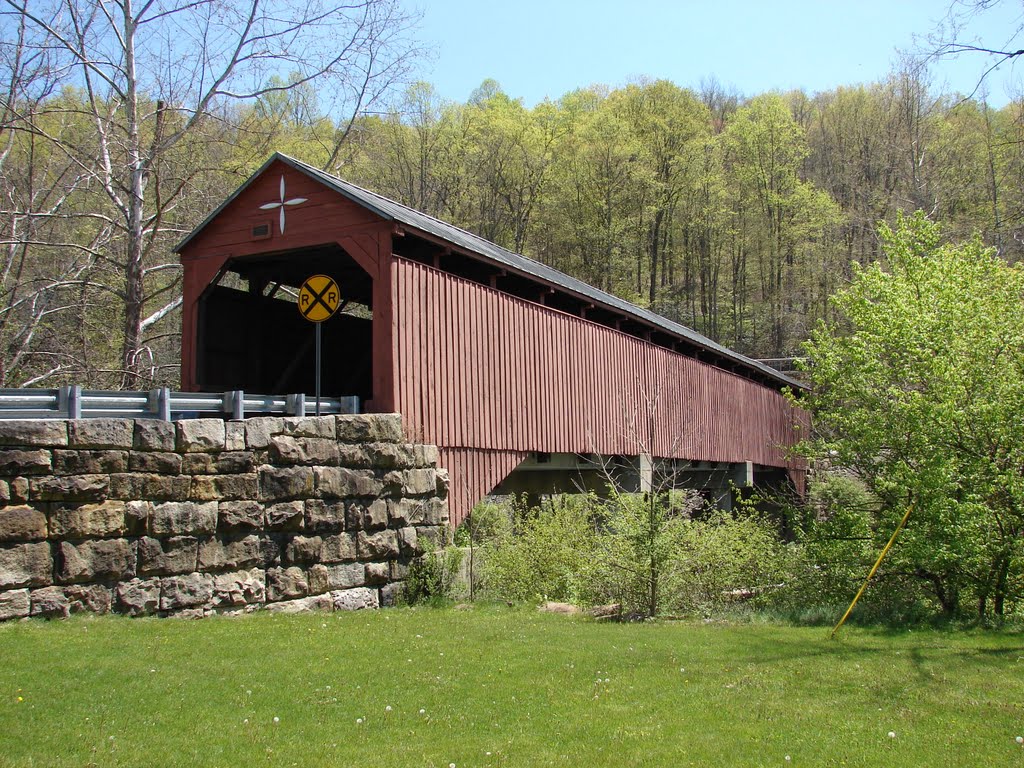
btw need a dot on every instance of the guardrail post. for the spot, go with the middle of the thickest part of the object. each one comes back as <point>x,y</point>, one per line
<point>165,403</point>
<point>349,404</point>
<point>237,404</point>
<point>69,401</point>
<point>296,404</point>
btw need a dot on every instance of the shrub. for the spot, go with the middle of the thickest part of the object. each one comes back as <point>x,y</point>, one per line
<point>541,553</point>
<point>431,576</point>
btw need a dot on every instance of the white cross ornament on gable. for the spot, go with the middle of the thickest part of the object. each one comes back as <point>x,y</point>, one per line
<point>282,203</point>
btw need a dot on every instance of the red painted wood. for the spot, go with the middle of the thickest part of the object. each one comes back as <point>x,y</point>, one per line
<point>530,378</point>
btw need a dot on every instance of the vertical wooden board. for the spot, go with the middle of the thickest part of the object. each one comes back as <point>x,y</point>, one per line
<point>444,288</point>
<point>507,367</point>
<point>462,348</point>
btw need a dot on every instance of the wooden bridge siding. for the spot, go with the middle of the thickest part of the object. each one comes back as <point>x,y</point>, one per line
<point>490,378</point>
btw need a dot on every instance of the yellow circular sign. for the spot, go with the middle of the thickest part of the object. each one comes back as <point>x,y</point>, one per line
<point>319,298</point>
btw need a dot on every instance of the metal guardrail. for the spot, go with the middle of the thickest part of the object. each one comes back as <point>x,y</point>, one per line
<point>76,403</point>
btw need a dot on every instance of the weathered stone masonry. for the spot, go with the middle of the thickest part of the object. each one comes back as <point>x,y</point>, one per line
<point>206,516</point>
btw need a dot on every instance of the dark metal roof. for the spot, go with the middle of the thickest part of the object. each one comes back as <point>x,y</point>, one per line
<point>514,262</point>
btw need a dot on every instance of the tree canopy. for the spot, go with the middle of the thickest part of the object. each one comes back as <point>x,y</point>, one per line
<point>918,387</point>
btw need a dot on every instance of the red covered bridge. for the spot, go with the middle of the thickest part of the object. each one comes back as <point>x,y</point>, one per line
<point>499,360</point>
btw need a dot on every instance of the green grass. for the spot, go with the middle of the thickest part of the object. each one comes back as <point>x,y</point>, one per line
<point>502,687</point>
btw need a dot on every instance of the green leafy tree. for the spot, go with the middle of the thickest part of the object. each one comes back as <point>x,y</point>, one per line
<point>919,389</point>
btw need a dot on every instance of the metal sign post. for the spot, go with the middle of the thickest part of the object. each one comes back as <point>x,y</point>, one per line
<point>319,299</point>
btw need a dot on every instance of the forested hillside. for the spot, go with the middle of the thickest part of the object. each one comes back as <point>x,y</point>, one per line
<point>738,216</point>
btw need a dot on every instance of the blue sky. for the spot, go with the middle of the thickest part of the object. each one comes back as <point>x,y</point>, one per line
<point>537,48</point>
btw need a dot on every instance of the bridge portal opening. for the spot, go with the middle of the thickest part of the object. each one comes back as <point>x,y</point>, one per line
<point>251,335</point>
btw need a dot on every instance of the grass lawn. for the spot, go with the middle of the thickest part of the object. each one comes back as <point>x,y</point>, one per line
<point>492,686</point>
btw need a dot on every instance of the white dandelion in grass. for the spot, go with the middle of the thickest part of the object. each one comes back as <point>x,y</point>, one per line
<point>423,711</point>
<point>387,708</point>
<point>1019,739</point>
<point>277,720</point>
<point>892,734</point>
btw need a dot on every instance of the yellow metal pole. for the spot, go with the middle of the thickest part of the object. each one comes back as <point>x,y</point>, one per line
<point>874,568</point>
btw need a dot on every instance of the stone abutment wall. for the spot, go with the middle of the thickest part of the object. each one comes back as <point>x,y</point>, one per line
<point>205,516</point>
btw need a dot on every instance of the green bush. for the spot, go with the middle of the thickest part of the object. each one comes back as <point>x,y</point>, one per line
<point>544,553</point>
<point>727,559</point>
<point>431,576</point>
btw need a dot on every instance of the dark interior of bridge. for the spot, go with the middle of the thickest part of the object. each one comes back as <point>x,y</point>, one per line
<point>252,336</point>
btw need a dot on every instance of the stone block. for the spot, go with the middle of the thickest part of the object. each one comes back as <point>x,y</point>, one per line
<point>26,565</point>
<point>377,573</point>
<point>234,436</point>
<point>154,435</point>
<point>324,516</point>
<point>259,431</point>
<point>136,516</point>
<point>224,487</point>
<point>399,571</point>
<point>21,461</point>
<point>302,605</point>
<point>391,455</point>
<point>239,516</point>
<point>309,426</point>
<point>404,512</point>
<point>190,591</point>
<point>392,594</point>
<point>14,604</point>
<point>427,455</point>
<point>199,464</point>
<point>408,542</point>
<point>101,433</point>
<point>96,560</point>
<point>165,557</point>
<point>159,462</point>
<point>236,462</point>
<point>419,482</point>
<point>435,512</point>
<point>84,521</point>
<point>70,488</point>
<point>218,555</point>
<point>22,524</point>
<point>393,483</point>
<point>18,489</point>
<point>238,588</point>
<point>50,602</point>
<point>89,462</point>
<point>353,455</point>
<point>369,515</point>
<point>339,548</point>
<point>355,599</point>
<point>286,584</point>
<point>200,435</point>
<point>287,516</point>
<point>142,486</point>
<point>177,518</point>
<point>303,550</point>
<point>34,432</point>
<point>441,487</point>
<point>382,545</point>
<point>306,451</point>
<point>340,482</point>
<point>370,428</point>
<point>324,578</point>
<point>138,596</point>
<point>88,598</point>
<point>284,483</point>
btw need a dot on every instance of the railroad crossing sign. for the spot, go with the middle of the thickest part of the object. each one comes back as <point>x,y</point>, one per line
<point>319,298</point>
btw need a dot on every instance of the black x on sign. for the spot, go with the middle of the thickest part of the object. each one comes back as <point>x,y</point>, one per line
<point>319,298</point>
